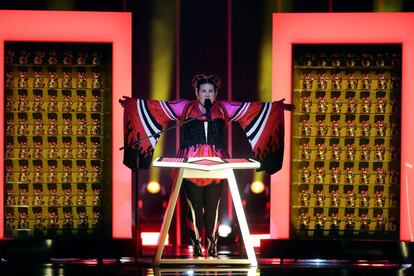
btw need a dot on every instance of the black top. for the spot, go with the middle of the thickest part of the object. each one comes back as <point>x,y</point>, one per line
<point>194,134</point>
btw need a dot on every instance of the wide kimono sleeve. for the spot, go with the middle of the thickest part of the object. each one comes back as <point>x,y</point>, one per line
<point>143,121</point>
<point>263,123</point>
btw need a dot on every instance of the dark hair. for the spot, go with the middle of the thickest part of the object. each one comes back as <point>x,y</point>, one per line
<point>200,79</point>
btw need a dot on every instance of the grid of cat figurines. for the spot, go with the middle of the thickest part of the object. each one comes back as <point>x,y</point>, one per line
<point>54,136</point>
<point>346,135</point>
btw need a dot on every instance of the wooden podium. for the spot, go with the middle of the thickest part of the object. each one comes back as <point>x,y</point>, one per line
<point>206,167</point>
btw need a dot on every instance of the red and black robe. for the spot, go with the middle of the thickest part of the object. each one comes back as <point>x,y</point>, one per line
<point>263,124</point>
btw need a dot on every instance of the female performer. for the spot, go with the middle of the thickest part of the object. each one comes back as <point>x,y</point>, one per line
<point>204,135</point>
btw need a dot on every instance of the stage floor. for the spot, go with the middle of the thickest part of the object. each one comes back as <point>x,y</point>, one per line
<point>266,267</point>
<point>143,266</point>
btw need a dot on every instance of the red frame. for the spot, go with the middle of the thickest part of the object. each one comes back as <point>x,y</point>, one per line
<point>83,27</point>
<point>342,28</point>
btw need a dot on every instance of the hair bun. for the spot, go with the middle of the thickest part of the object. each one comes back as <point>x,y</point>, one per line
<point>203,78</point>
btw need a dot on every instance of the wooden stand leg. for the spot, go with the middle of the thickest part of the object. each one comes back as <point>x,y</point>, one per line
<point>225,174</point>
<point>168,217</point>
<point>244,229</point>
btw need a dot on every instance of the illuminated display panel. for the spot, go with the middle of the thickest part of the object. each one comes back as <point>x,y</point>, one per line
<point>91,27</point>
<point>342,28</point>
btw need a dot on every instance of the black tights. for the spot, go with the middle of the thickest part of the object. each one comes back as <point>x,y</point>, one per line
<point>203,207</point>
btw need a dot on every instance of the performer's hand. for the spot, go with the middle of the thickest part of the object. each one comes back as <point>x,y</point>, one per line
<point>288,107</point>
<point>122,101</point>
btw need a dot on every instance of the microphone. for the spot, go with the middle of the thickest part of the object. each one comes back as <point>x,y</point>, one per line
<point>207,106</point>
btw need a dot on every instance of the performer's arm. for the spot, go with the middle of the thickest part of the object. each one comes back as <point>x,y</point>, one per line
<point>263,123</point>
<point>143,121</point>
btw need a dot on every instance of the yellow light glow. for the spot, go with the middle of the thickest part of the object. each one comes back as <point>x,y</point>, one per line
<point>388,5</point>
<point>257,187</point>
<point>162,39</point>
<point>265,53</point>
<point>153,187</point>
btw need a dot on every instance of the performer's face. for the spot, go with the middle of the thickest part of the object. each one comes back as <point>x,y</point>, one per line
<point>206,91</point>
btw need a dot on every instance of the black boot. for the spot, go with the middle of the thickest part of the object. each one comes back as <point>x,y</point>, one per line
<point>197,249</point>
<point>212,248</point>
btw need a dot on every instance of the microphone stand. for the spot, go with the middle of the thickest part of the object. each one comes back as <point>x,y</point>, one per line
<point>135,189</point>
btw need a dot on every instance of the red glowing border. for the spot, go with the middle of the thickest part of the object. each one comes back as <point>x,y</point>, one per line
<point>343,28</point>
<point>84,27</point>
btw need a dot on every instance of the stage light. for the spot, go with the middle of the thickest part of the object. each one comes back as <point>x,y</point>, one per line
<point>49,243</point>
<point>153,187</point>
<point>404,249</point>
<point>152,202</point>
<point>255,201</point>
<point>255,238</point>
<point>151,238</point>
<point>257,187</point>
<point>224,230</point>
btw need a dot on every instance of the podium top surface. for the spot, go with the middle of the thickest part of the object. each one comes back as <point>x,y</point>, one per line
<point>206,163</point>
